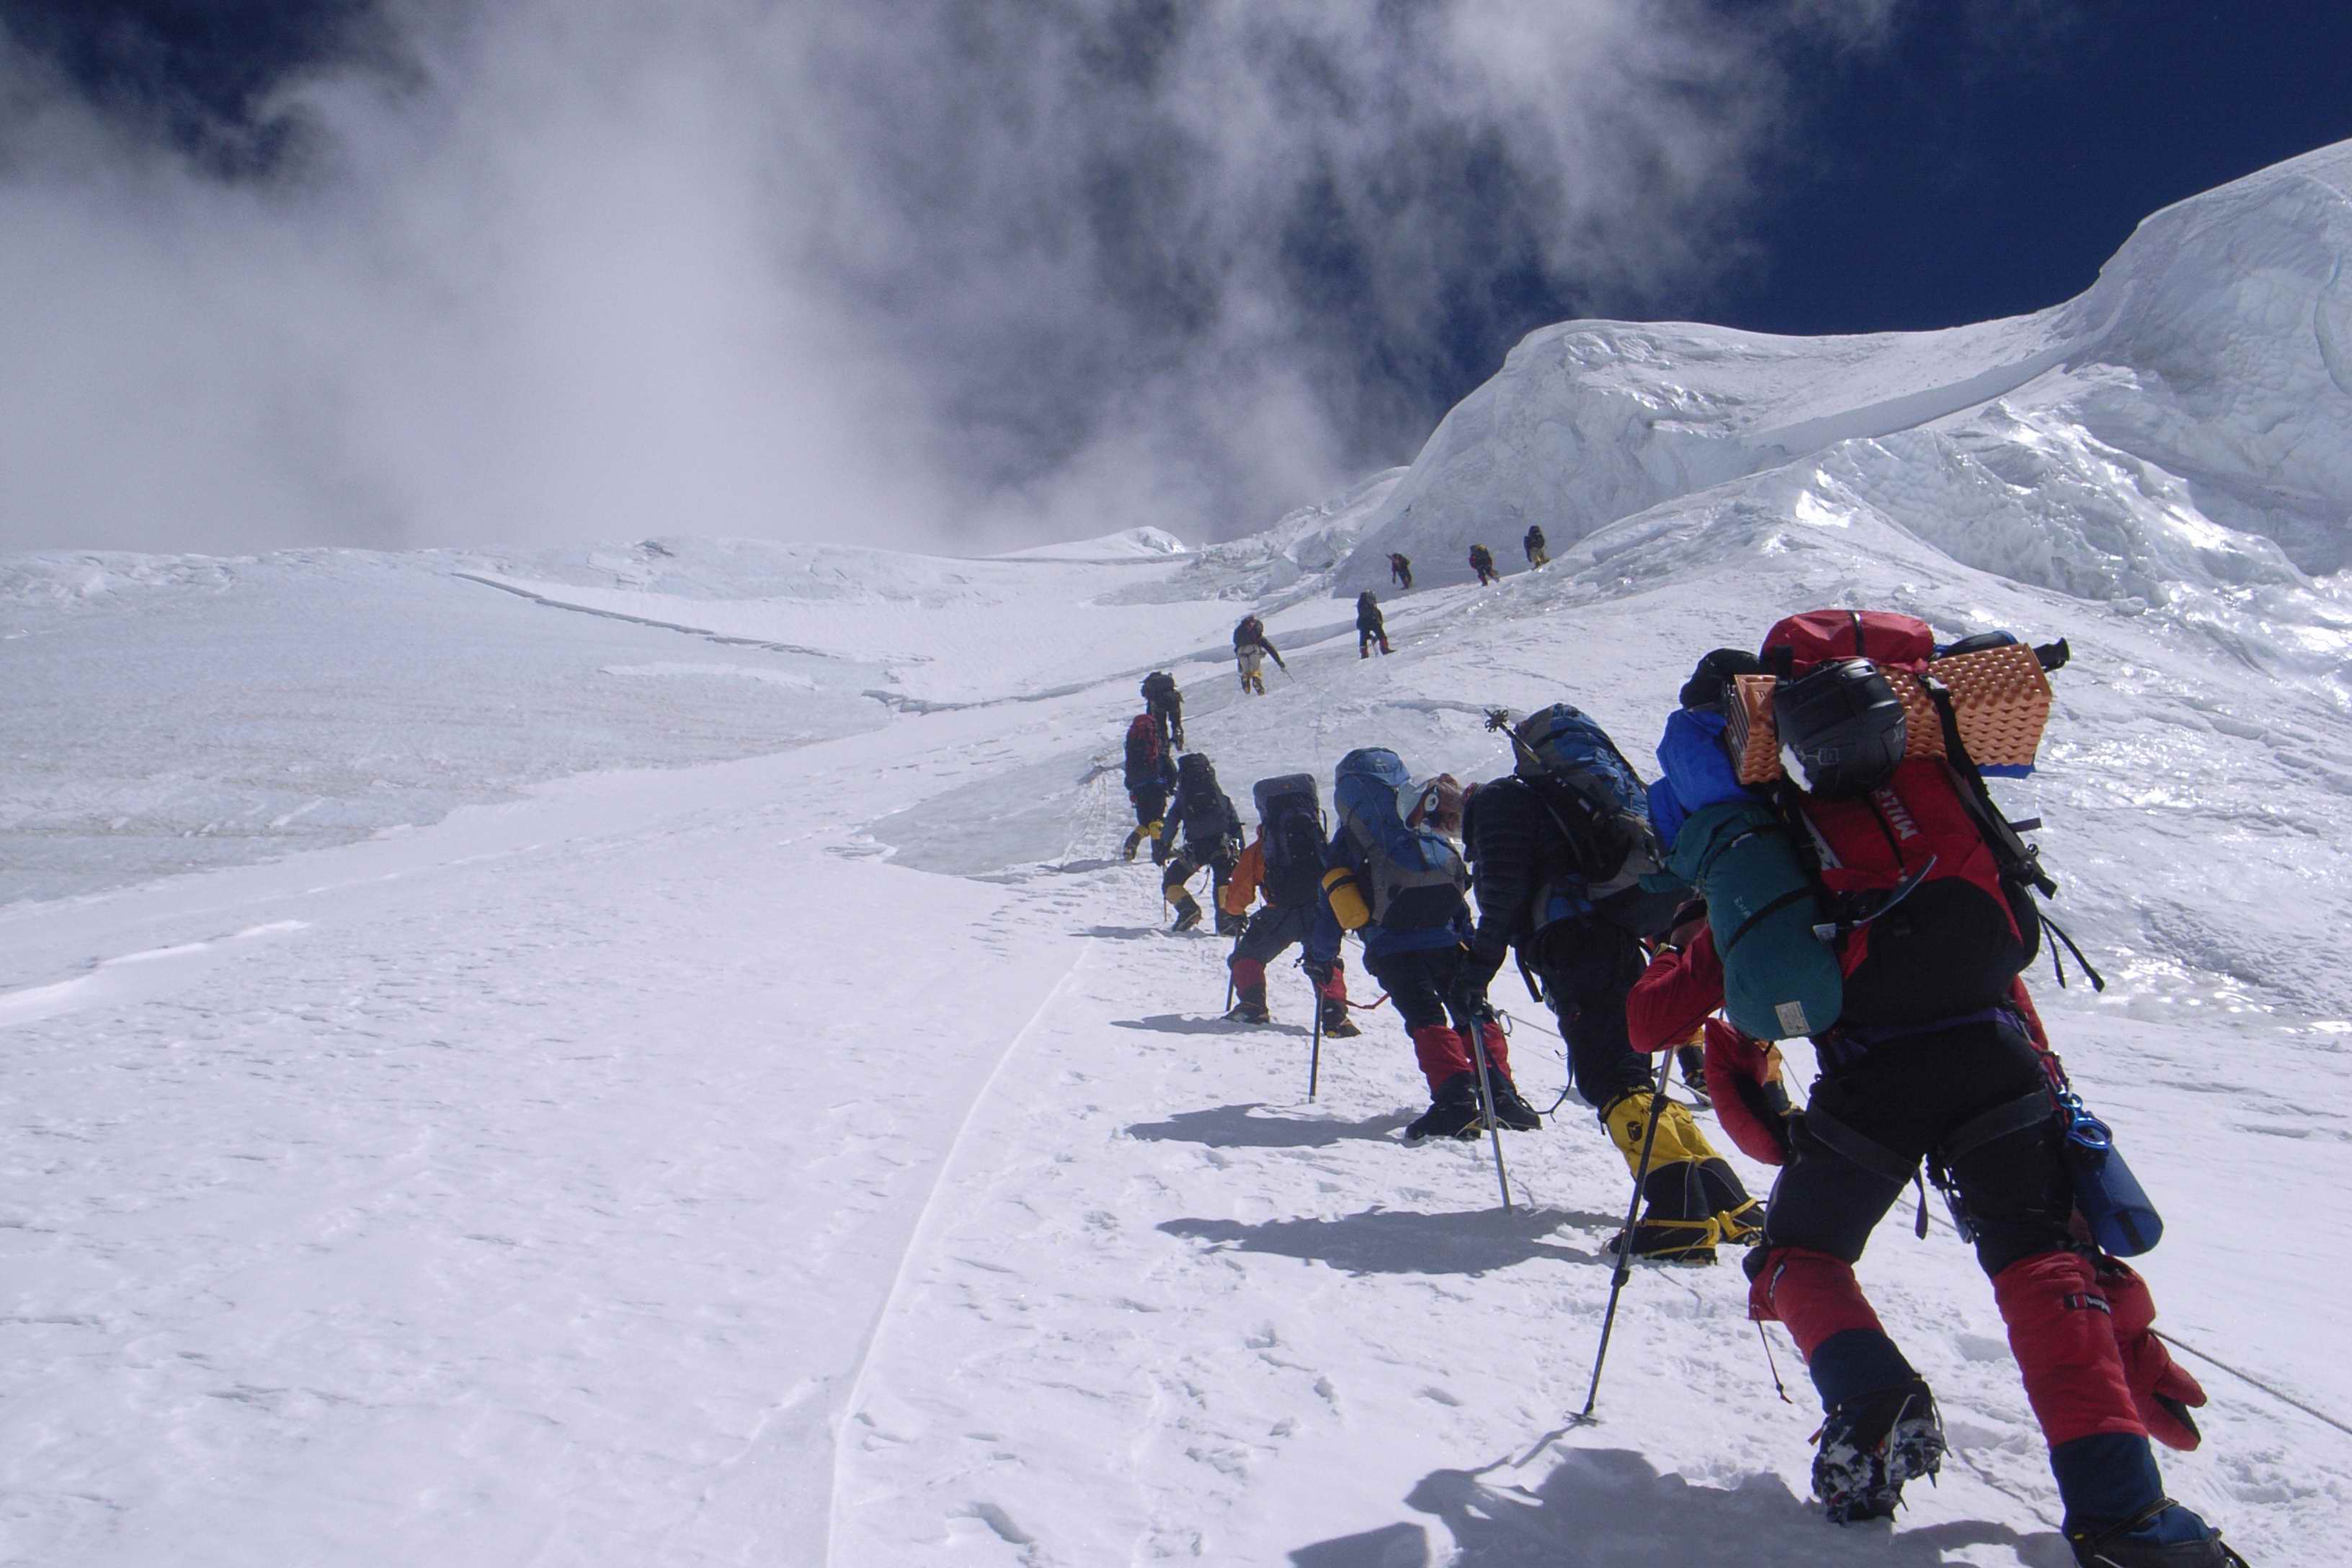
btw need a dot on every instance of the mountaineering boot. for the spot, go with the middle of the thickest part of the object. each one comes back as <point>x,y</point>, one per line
<point>1337,1025</point>
<point>1739,1218</point>
<point>1742,1225</point>
<point>1872,1444</point>
<point>1248,1012</point>
<point>1687,1243</point>
<point>1452,1112</point>
<point>2132,1543</point>
<point>2116,1513</point>
<point>1188,913</point>
<point>1686,1186</point>
<point>1511,1113</point>
<point>1150,831</point>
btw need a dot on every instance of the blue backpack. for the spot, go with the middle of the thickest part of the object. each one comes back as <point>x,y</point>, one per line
<point>1592,792</point>
<point>1418,878</point>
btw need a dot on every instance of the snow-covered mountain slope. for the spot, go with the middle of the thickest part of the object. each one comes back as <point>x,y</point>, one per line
<point>763,1122</point>
<point>2214,351</point>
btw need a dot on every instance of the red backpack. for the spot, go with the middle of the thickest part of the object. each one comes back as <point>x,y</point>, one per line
<point>1142,750</point>
<point>1931,888</point>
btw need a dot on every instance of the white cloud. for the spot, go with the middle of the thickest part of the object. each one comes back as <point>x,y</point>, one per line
<point>975,270</point>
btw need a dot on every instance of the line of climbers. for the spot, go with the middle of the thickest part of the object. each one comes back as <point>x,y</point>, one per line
<point>1818,857</point>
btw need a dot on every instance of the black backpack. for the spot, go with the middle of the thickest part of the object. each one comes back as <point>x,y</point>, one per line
<point>1208,815</point>
<point>1159,688</point>
<point>1290,825</point>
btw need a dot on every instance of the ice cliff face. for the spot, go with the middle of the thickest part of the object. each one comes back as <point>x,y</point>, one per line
<point>2184,426</point>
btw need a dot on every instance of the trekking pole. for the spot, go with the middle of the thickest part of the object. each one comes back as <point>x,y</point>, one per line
<point>1486,1103</point>
<point>1625,1250</point>
<point>1314,1049</point>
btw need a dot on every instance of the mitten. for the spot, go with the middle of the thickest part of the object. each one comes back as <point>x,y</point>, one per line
<point>2162,1393</point>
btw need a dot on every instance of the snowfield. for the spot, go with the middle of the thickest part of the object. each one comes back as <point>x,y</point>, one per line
<point>649,1054</point>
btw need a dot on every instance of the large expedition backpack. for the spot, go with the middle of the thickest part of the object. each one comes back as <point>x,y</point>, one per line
<point>1418,880</point>
<point>1143,751</point>
<point>1929,889</point>
<point>1592,792</point>
<point>1207,814</point>
<point>1290,826</point>
<point>1601,808</point>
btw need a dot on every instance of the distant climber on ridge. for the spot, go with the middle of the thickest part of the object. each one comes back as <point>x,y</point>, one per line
<point>1401,571</point>
<point>1166,706</point>
<point>1482,561</point>
<point>1371,625</point>
<point>1250,650</point>
<point>1534,545</point>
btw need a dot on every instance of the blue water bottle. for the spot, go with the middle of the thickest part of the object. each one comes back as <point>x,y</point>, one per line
<point>2123,1222</point>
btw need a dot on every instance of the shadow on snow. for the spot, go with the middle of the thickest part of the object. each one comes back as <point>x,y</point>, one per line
<point>1233,1127</point>
<point>1187,1024</point>
<point>1399,1241</point>
<point>1605,1507</point>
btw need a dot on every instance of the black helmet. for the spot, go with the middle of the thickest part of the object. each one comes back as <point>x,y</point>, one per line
<point>1843,730</point>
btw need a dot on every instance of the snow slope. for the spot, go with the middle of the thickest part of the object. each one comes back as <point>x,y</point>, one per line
<point>2215,348</point>
<point>763,1121</point>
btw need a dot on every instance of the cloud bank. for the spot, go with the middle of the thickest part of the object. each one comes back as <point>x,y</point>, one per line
<point>961,273</point>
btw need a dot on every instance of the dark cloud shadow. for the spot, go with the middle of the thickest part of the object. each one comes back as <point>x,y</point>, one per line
<point>1399,1241</point>
<point>1610,1506</point>
<point>1233,1127</point>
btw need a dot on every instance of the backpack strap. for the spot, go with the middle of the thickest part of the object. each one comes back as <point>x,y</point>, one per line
<point>2020,862</point>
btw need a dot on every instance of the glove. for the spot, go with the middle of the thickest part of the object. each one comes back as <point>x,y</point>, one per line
<point>1321,974</point>
<point>1709,685</point>
<point>2162,1394</point>
<point>1752,1105</point>
<point>1160,850</point>
<point>1468,997</point>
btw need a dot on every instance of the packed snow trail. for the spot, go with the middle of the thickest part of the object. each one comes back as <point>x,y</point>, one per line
<point>1179,1313</point>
